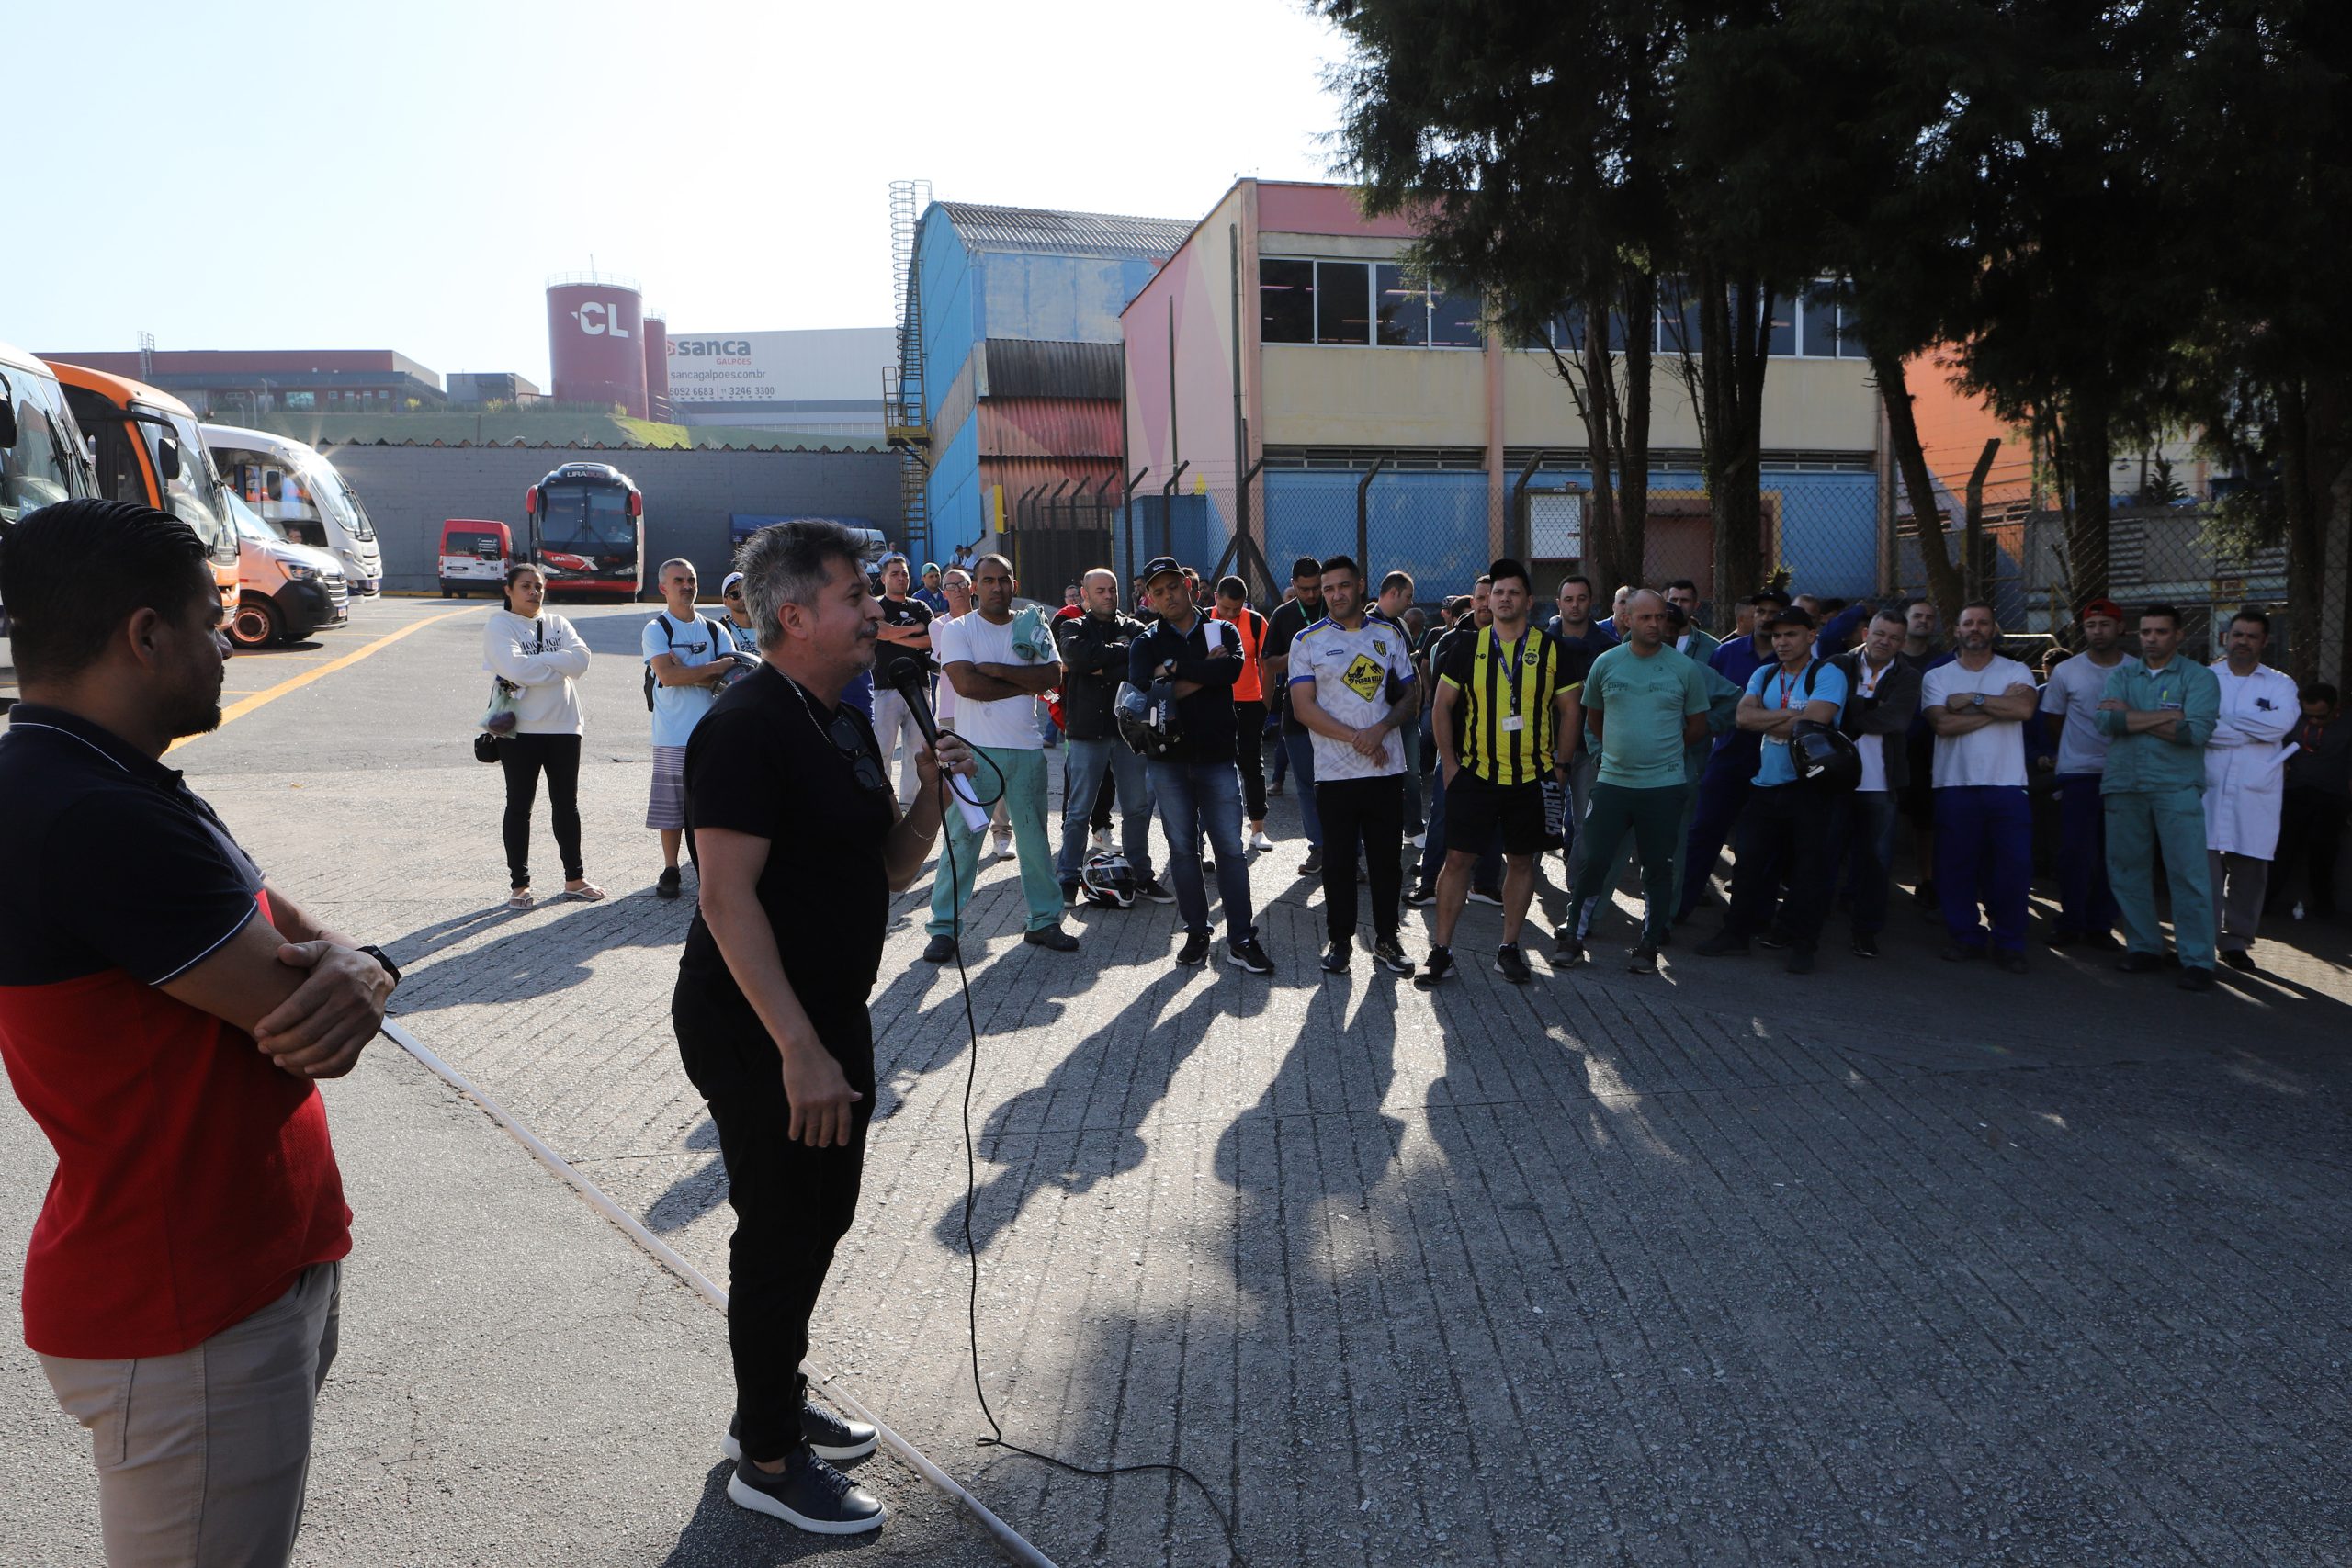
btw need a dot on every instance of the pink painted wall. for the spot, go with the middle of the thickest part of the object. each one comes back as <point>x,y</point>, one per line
<point>1196,284</point>
<point>1324,209</point>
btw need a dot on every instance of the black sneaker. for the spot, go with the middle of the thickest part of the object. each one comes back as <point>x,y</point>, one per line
<point>939,949</point>
<point>1421,896</point>
<point>1195,949</point>
<point>808,1493</point>
<point>1865,945</point>
<point>2010,962</point>
<point>1313,865</point>
<point>666,885</point>
<point>1486,896</point>
<point>1441,966</point>
<point>2193,979</point>
<point>1963,952</point>
<point>1071,892</point>
<point>1643,960</point>
<point>1155,890</point>
<point>1776,937</point>
<point>1389,954</point>
<point>829,1436</point>
<point>1722,944</point>
<point>1335,958</point>
<point>1565,948</point>
<point>1511,965</point>
<point>1053,939</point>
<point>1246,954</point>
<point>2136,962</point>
<point>2242,961</point>
<point>1800,961</point>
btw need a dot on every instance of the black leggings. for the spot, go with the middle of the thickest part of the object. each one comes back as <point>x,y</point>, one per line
<point>521,756</point>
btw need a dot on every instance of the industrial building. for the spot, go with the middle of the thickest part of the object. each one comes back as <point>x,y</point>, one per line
<point>247,383</point>
<point>1286,331</point>
<point>1009,377</point>
<point>471,389</point>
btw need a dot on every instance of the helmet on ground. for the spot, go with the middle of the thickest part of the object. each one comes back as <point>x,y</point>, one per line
<point>1108,880</point>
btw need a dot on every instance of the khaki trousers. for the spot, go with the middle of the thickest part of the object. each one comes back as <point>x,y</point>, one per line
<point>202,1457</point>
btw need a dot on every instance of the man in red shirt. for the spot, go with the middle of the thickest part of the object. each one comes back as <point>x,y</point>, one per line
<point>1248,706</point>
<point>164,1015</point>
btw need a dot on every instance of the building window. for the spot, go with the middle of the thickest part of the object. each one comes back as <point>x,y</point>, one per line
<point>1342,302</point>
<point>1454,320</point>
<point>1287,301</point>
<point>1404,309</point>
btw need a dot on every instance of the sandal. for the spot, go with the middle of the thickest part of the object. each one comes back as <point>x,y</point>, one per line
<point>520,899</point>
<point>586,893</point>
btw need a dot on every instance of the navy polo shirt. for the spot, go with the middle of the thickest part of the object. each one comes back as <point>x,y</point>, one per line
<point>195,1177</point>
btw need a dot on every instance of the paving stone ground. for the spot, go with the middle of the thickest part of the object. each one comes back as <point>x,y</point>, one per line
<point>1902,1261</point>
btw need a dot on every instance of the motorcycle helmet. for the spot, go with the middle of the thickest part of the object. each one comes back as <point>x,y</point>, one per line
<point>1108,881</point>
<point>1824,756</point>
<point>1147,721</point>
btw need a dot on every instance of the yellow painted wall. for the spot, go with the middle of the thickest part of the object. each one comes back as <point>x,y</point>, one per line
<point>1405,397</point>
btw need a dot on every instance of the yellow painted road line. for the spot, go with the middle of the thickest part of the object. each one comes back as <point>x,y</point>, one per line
<point>237,710</point>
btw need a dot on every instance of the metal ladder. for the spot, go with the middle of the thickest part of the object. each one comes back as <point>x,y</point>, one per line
<point>905,414</point>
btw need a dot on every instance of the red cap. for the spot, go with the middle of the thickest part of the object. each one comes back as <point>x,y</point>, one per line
<point>2106,607</point>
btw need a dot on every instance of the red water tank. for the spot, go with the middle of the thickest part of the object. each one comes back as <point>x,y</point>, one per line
<point>597,340</point>
<point>657,367</point>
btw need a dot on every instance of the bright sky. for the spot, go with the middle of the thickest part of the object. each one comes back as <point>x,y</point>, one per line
<point>305,175</point>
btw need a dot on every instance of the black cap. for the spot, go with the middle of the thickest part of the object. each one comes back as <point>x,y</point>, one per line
<point>1790,617</point>
<point>1158,566</point>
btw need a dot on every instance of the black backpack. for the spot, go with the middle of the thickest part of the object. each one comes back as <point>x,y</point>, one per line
<point>719,643</point>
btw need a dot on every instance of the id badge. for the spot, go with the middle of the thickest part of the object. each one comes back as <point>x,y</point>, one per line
<point>1513,723</point>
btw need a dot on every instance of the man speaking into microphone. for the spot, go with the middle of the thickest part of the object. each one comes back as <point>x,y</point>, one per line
<point>801,842</point>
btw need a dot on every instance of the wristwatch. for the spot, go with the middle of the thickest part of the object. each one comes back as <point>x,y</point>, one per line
<point>1979,702</point>
<point>380,956</point>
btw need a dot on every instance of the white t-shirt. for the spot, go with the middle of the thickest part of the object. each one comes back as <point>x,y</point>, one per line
<point>1993,755</point>
<point>943,708</point>
<point>1009,723</point>
<point>1355,673</point>
<point>2074,689</point>
<point>1870,748</point>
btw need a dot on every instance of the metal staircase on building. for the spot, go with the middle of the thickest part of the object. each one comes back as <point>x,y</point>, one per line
<point>905,412</point>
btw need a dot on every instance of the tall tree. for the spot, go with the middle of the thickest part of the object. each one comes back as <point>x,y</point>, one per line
<point>1528,140</point>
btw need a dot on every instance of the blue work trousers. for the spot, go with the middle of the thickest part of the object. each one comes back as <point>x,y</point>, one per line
<point>2086,898</point>
<point>1983,856</point>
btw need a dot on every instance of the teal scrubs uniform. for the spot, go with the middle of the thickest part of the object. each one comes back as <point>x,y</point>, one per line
<point>2154,794</point>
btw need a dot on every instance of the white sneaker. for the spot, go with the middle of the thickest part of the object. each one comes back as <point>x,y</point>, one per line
<point>1003,845</point>
<point>1260,844</point>
<point>1419,841</point>
<point>1100,843</point>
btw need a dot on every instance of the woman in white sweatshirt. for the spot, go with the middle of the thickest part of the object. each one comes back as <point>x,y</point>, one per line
<point>539,656</point>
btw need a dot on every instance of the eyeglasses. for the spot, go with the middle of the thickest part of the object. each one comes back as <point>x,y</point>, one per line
<point>734,594</point>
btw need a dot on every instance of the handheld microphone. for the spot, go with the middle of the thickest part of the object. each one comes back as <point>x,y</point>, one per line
<point>907,678</point>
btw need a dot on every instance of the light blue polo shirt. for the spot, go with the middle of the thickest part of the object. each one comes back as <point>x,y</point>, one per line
<point>1776,688</point>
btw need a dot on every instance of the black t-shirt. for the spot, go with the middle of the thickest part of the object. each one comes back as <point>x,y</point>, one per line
<point>905,611</point>
<point>764,762</point>
<point>1290,618</point>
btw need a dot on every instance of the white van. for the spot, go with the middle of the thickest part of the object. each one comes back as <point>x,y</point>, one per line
<point>286,591</point>
<point>292,486</point>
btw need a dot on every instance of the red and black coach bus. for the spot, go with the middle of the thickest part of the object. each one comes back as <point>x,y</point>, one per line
<point>587,524</point>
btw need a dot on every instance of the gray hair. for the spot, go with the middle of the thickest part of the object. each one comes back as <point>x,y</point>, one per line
<point>789,563</point>
<point>664,569</point>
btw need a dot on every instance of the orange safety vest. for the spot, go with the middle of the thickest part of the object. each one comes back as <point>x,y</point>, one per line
<point>1252,629</point>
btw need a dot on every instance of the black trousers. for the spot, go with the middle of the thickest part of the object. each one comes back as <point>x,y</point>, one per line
<point>1783,830</point>
<point>792,1204</point>
<point>1106,795</point>
<point>1249,754</point>
<point>522,758</point>
<point>2311,836</point>
<point>1370,813</point>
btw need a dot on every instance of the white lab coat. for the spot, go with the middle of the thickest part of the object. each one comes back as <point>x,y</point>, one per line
<point>2245,761</point>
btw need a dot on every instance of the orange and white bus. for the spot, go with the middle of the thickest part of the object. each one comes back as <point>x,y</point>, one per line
<point>148,449</point>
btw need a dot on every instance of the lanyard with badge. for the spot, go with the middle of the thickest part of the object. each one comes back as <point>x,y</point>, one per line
<point>1787,690</point>
<point>1512,721</point>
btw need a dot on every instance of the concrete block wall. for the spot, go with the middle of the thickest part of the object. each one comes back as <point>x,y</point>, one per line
<point>409,490</point>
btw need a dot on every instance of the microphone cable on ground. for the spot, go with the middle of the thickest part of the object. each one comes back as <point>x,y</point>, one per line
<point>971,1194</point>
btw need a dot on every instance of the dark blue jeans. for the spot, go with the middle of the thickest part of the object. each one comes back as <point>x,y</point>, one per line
<point>1865,835</point>
<point>1723,790</point>
<point>1194,799</point>
<point>2086,901</point>
<point>1301,748</point>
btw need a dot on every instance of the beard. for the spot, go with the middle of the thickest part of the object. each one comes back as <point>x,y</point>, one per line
<point>198,715</point>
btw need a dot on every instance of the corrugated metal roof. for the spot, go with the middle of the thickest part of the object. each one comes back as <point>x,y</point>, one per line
<point>1049,232</point>
<point>1028,368</point>
<point>1049,427</point>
